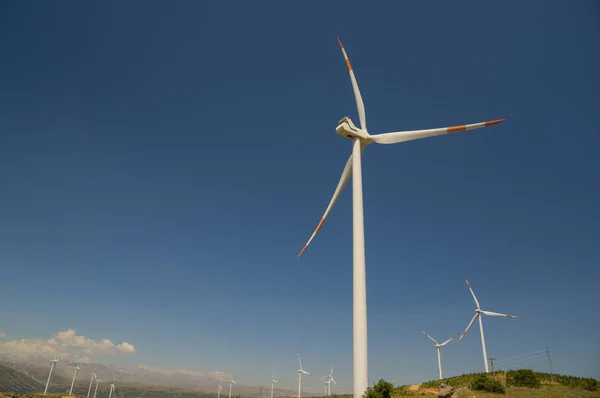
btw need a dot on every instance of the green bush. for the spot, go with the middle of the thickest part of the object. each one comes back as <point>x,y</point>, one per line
<point>523,378</point>
<point>590,385</point>
<point>484,383</point>
<point>383,389</point>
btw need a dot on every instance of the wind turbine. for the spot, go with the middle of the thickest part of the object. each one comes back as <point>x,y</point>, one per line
<point>52,363</point>
<point>478,312</point>
<point>360,139</point>
<point>231,382</point>
<point>328,379</point>
<point>96,390</point>
<point>273,381</point>
<point>438,346</point>
<point>91,381</point>
<point>73,382</point>
<point>219,389</point>
<point>112,389</point>
<point>299,376</point>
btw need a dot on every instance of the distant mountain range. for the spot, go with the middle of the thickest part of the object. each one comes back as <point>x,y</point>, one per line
<point>29,374</point>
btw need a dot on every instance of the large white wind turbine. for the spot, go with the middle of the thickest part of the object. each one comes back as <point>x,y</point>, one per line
<point>73,382</point>
<point>327,380</point>
<point>360,139</point>
<point>52,363</point>
<point>299,376</point>
<point>478,312</point>
<point>93,376</point>
<point>273,381</point>
<point>112,389</point>
<point>231,382</point>
<point>438,346</point>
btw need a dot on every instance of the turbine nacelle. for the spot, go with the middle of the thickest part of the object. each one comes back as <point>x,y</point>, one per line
<point>347,129</point>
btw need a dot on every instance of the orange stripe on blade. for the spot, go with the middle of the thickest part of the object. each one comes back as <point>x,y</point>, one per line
<point>348,65</point>
<point>493,122</point>
<point>320,225</point>
<point>456,129</point>
<point>339,41</point>
<point>303,249</point>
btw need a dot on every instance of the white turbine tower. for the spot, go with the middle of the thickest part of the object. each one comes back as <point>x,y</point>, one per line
<point>112,389</point>
<point>73,382</point>
<point>96,390</point>
<point>299,376</point>
<point>52,363</point>
<point>93,376</point>
<point>438,346</point>
<point>360,139</point>
<point>231,383</point>
<point>273,381</point>
<point>478,312</point>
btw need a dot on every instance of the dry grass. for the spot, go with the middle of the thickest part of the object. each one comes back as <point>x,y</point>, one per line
<point>545,392</point>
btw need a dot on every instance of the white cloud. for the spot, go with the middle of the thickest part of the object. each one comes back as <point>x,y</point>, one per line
<point>67,345</point>
<point>190,372</point>
<point>125,348</point>
<point>2,335</point>
<point>218,375</point>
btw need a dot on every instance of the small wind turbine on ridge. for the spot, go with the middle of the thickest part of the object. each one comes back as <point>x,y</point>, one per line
<point>231,382</point>
<point>360,140</point>
<point>93,376</point>
<point>73,382</point>
<point>273,381</point>
<point>438,346</point>
<point>52,363</point>
<point>478,312</point>
<point>299,376</point>
<point>96,390</point>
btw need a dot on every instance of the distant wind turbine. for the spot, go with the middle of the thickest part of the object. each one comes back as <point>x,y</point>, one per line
<point>438,346</point>
<point>478,312</point>
<point>299,376</point>
<point>52,362</point>
<point>91,381</point>
<point>273,381</point>
<point>96,390</point>
<point>219,389</point>
<point>73,382</point>
<point>327,380</point>
<point>231,383</point>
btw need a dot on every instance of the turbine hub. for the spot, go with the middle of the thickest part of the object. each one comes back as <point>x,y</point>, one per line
<point>347,129</point>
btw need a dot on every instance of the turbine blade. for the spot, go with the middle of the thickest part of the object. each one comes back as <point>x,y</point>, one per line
<point>470,323</point>
<point>359,102</point>
<point>341,184</point>
<point>472,293</point>
<point>331,371</point>
<point>431,338</point>
<point>498,314</point>
<point>299,361</point>
<point>447,341</point>
<point>401,136</point>
<point>332,379</point>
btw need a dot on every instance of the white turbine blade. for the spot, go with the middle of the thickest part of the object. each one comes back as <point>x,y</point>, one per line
<point>498,314</point>
<point>472,293</point>
<point>359,102</point>
<point>299,361</point>
<point>401,136</point>
<point>431,338</point>
<point>306,373</point>
<point>331,371</point>
<point>470,323</point>
<point>447,341</point>
<point>341,184</point>
<point>332,379</point>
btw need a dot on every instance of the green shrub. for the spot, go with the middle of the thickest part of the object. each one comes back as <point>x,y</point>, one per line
<point>590,385</point>
<point>383,389</point>
<point>484,383</point>
<point>523,378</point>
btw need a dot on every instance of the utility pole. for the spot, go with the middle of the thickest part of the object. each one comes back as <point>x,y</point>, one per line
<point>550,362</point>
<point>492,362</point>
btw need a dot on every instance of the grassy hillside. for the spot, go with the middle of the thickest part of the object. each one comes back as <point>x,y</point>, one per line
<point>15,381</point>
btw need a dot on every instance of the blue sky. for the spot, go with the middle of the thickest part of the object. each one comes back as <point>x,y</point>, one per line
<point>162,166</point>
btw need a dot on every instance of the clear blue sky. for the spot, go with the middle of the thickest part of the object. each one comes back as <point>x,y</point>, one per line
<point>163,164</point>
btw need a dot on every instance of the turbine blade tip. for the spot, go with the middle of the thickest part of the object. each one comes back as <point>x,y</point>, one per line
<point>340,42</point>
<point>492,122</point>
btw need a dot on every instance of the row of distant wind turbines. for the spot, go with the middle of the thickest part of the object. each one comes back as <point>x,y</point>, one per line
<point>360,140</point>
<point>326,380</point>
<point>93,377</point>
<point>478,314</point>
